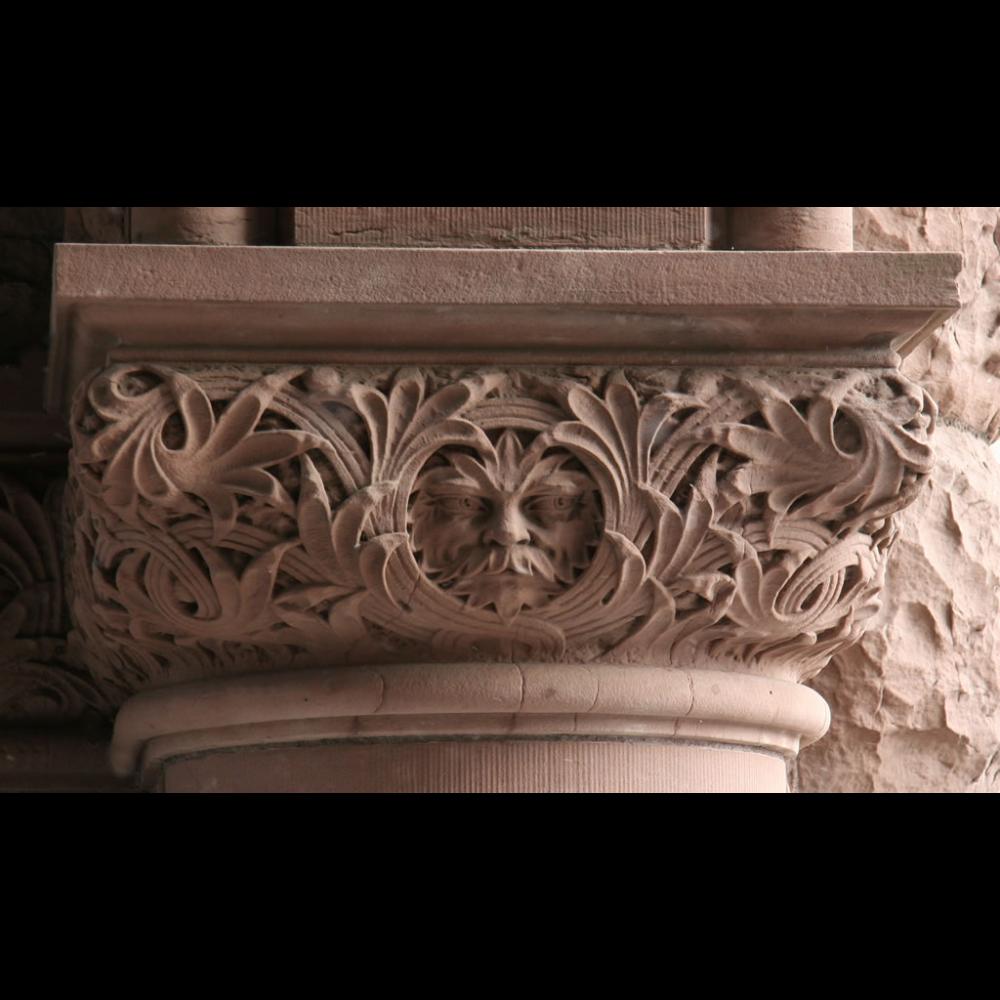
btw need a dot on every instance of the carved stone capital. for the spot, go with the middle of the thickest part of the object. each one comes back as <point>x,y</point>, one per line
<point>370,518</point>
<point>238,519</point>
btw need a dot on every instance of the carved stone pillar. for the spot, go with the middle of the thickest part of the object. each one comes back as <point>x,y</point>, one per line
<point>214,226</point>
<point>481,519</point>
<point>791,228</point>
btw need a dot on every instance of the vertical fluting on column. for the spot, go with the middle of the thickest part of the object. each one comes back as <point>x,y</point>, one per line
<point>647,228</point>
<point>478,766</point>
<point>210,226</point>
<point>791,228</point>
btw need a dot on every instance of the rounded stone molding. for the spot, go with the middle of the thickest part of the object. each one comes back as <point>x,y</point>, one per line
<point>413,703</point>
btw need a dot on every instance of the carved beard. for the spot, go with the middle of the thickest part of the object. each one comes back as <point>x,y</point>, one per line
<point>507,592</point>
<point>526,560</point>
<point>509,579</point>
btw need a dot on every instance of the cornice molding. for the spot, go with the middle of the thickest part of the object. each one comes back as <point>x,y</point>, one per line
<point>309,305</point>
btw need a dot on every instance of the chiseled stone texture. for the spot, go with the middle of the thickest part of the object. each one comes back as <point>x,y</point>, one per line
<point>960,364</point>
<point>916,704</point>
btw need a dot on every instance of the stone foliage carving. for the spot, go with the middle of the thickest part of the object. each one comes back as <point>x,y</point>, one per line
<point>36,685</point>
<point>237,518</point>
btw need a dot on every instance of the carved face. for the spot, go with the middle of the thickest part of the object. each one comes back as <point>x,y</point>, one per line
<point>510,529</point>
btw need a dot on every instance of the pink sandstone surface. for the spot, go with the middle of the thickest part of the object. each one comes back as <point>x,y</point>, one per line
<point>960,364</point>
<point>916,704</point>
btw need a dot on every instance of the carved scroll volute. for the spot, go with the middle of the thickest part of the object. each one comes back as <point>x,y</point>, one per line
<point>238,519</point>
<point>36,684</point>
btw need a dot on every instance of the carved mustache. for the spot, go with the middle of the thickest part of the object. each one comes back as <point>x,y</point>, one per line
<point>526,560</point>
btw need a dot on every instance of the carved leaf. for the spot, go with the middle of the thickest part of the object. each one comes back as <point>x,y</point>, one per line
<point>218,459</point>
<point>799,458</point>
<point>333,539</point>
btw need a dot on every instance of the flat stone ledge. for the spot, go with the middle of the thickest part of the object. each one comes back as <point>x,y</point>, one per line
<point>116,303</point>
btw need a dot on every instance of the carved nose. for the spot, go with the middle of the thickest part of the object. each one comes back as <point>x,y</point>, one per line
<point>507,527</point>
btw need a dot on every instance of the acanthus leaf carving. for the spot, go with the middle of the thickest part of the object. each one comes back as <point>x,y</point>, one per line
<point>322,514</point>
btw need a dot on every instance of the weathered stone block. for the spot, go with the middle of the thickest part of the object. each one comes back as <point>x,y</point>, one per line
<point>916,704</point>
<point>960,366</point>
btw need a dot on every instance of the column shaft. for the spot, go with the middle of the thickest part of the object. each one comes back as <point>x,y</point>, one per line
<point>216,226</point>
<point>791,229</point>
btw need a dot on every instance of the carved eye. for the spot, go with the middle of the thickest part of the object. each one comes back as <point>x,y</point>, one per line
<point>462,504</point>
<point>554,503</point>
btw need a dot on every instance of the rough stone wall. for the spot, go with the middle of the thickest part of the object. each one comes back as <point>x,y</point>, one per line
<point>960,365</point>
<point>916,705</point>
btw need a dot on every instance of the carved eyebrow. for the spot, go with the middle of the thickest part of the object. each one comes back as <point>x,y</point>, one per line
<point>562,482</point>
<point>455,483</point>
<point>445,477</point>
<point>554,490</point>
